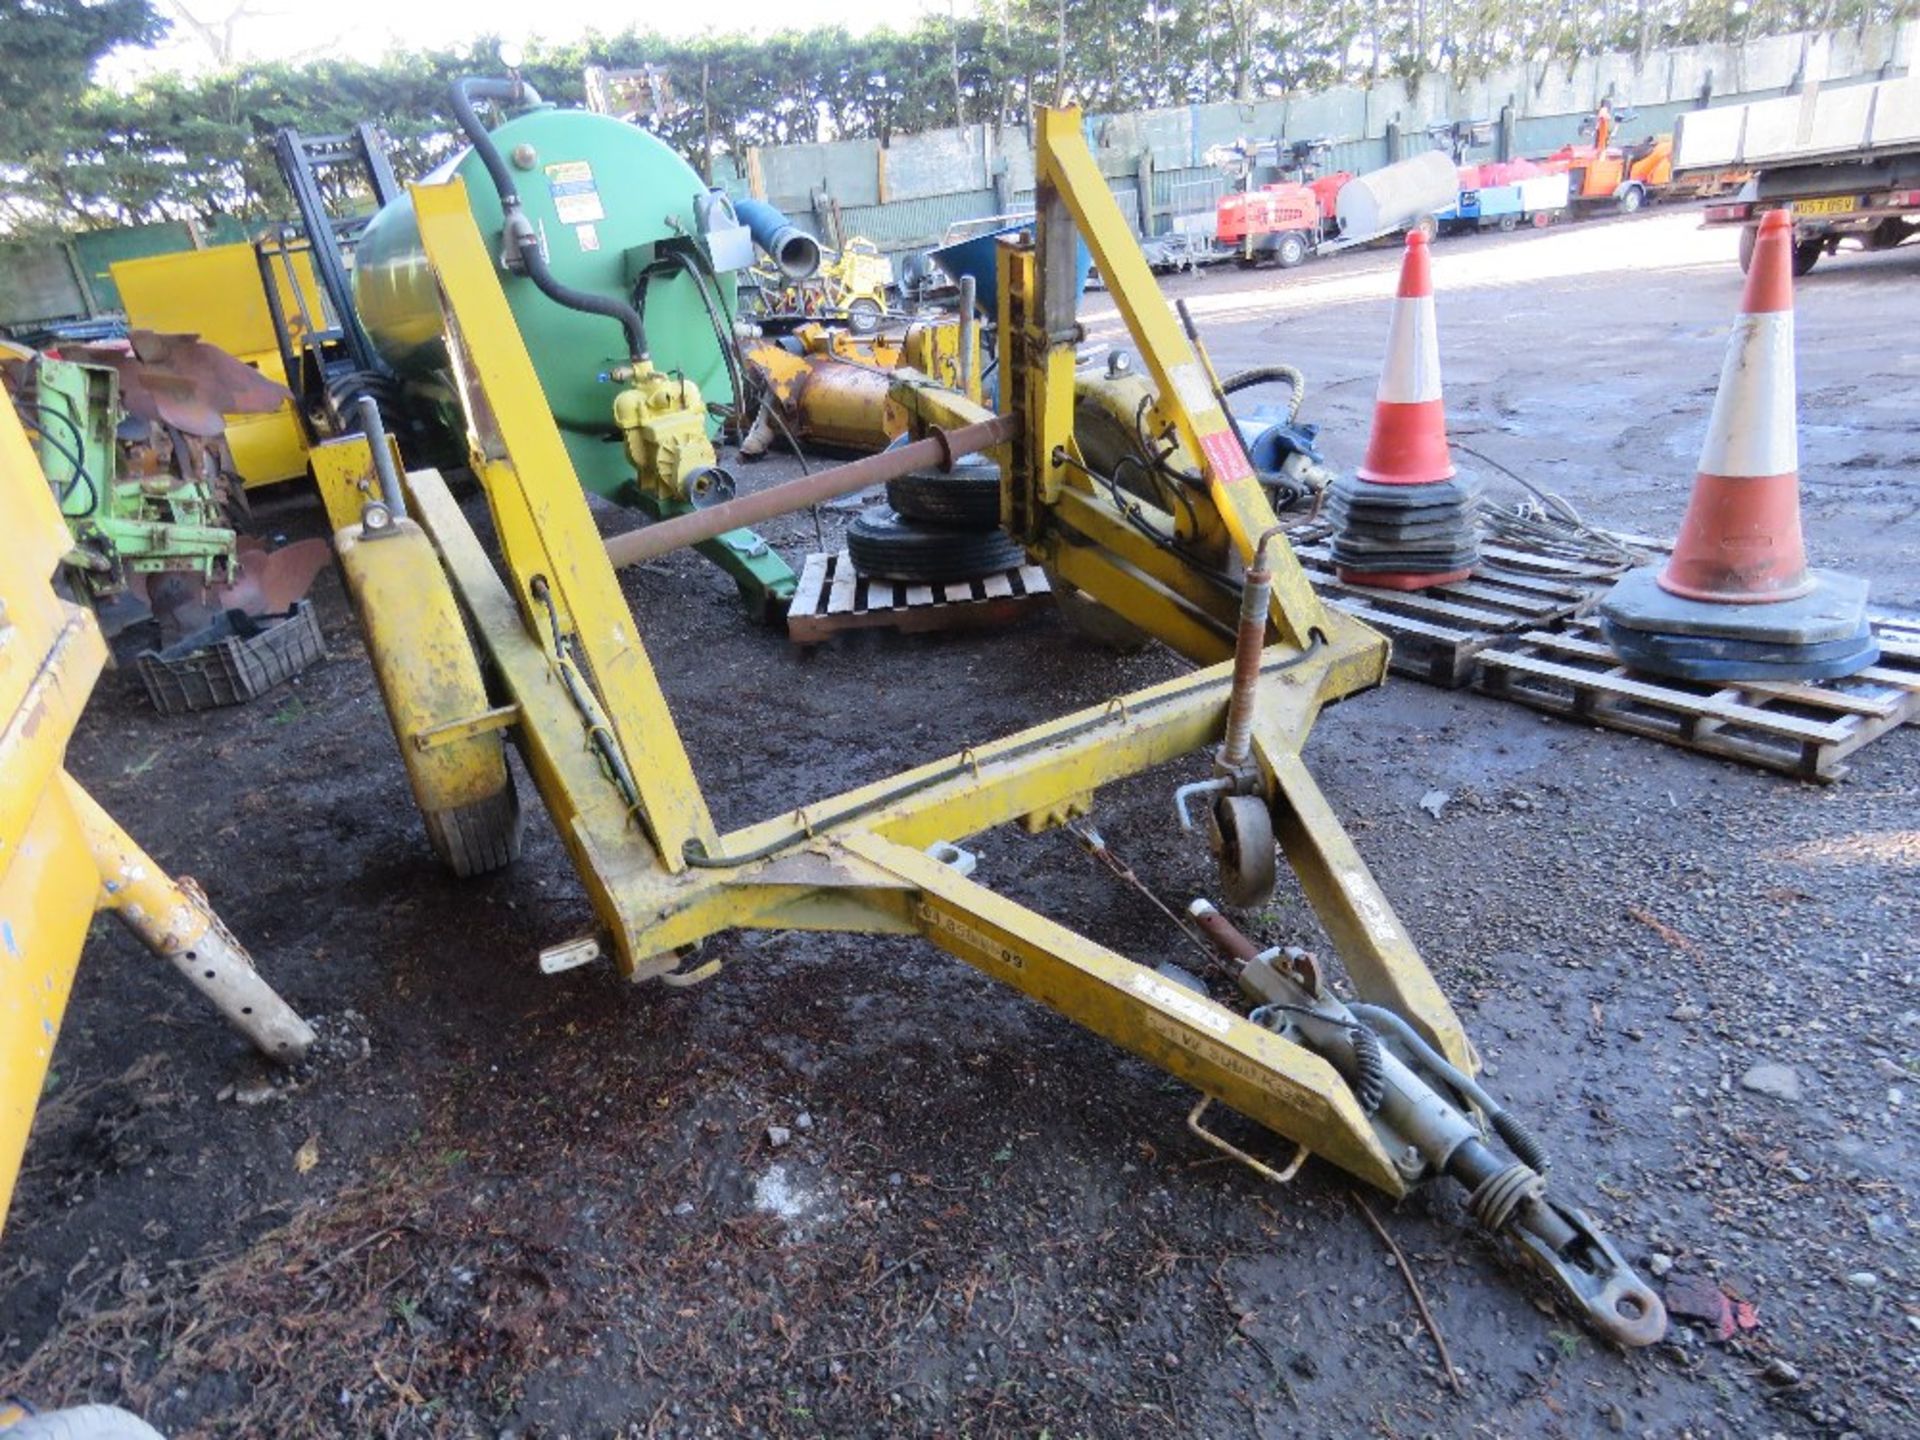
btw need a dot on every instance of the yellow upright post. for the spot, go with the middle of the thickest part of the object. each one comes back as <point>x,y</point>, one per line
<point>61,855</point>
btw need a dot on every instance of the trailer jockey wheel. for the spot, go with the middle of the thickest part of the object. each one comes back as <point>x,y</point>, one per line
<point>1243,842</point>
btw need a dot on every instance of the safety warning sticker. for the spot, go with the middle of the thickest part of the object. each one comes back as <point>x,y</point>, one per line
<point>576,199</point>
<point>1225,458</point>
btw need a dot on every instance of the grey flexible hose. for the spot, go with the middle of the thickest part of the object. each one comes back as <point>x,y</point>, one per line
<point>1291,375</point>
<point>1519,1139</point>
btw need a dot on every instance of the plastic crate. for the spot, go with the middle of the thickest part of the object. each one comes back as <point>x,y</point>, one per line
<point>237,658</point>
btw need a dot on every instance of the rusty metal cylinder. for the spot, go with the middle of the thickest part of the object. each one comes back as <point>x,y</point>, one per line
<point>1225,936</point>
<point>1256,598</point>
<point>940,449</point>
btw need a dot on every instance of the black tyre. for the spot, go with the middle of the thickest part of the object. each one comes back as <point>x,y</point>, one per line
<point>1506,223</point>
<point>1806,255</point>
<point>1631,199</point>
<point>1290,249</point>
<point>1749,237</point>
<point>1887,234</point>
<point>884,545</point>
<point>967,499</point>
<point>478,838</point>
<point>864,316</point>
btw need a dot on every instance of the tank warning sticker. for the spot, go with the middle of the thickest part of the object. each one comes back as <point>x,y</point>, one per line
<point>576,199</point>
<point>588,236</point>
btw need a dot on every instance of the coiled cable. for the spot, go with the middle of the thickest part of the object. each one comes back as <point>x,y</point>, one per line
<point>1369,1079</point>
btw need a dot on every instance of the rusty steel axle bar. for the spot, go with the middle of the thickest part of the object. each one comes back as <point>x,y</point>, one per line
<point>941,448</point>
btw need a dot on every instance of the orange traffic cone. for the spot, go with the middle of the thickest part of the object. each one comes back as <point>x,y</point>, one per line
<point>1736,599</point>
<point>1408,445</point>
<point>1405,520</point>
<point>1740,541</point>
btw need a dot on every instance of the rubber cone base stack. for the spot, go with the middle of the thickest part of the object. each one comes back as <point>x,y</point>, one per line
<point>1404,537</point>
<point>1819,636</point>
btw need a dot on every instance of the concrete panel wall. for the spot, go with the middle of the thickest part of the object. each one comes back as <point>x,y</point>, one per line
<point>964,167</point>
<point>905,196</point>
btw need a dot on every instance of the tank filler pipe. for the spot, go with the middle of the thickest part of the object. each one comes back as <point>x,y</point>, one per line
<point>520,237</point>
<point>1289,375</point>
<point>791,248</point>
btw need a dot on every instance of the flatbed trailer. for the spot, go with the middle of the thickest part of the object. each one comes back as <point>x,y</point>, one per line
<point>1845,161</point>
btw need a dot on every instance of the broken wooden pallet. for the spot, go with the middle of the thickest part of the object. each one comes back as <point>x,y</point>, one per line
<point>1438,634</point>
<point>1805,729</point>
<point>832,596</point>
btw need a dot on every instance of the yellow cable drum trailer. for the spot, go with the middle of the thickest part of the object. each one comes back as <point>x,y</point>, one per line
<point>1383,1086</point>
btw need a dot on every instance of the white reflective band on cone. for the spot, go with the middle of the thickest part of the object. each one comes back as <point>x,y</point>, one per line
<point>1412,372</point>
<point>1753,431</point>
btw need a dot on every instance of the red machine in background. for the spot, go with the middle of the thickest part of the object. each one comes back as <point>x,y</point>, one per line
<point>1282,221</point>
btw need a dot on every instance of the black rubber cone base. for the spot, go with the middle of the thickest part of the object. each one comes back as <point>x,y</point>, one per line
<point>1821,635</point>
<point>1701,657</point>
<point>1404,531</point>
<point>1370,496</point>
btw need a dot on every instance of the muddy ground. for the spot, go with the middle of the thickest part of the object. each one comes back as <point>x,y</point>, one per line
<point>500,1204</point>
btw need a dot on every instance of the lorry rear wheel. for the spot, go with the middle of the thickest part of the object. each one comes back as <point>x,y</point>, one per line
<point>1806,255</point>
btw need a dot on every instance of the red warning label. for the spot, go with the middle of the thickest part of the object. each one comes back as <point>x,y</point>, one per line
<point>1225,458</point>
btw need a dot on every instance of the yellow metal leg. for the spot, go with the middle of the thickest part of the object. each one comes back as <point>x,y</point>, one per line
<point>172,918</point>
<point>1282,1086</point>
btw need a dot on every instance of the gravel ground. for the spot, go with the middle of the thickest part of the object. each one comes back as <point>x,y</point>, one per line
<point>851,1188</point>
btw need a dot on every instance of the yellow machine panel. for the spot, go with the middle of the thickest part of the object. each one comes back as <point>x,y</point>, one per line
<point>217,294</point>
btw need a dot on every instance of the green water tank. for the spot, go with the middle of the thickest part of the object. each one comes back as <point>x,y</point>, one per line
<point>601,193</point>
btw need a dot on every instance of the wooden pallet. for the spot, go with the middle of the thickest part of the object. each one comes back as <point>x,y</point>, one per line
<point>1438,634</point>
<point>1806,729</point>
<point>832,596</point>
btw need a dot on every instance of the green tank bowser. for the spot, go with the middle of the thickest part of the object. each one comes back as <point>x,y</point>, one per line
<point>616,222</point>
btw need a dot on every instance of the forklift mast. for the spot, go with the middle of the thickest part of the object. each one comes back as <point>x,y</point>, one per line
<point>330,360</point>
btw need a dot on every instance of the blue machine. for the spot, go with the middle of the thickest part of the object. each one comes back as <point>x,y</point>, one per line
<point>979,257</point>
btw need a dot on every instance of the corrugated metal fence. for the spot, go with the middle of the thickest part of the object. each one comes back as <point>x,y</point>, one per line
<point>905,195</point>
<point>933,179</point>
